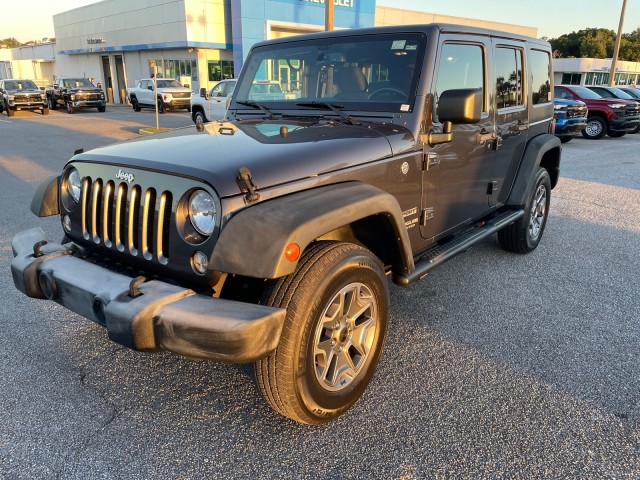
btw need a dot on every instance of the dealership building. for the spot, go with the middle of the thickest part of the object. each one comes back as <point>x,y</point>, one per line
<point>198,42</point>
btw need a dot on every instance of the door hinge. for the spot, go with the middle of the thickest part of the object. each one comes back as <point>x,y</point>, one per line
<point>426,215</point>
<point>429,159</point>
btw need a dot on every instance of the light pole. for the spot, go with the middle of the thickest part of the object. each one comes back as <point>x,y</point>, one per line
<point>612,74</point>
<point>328,15</point>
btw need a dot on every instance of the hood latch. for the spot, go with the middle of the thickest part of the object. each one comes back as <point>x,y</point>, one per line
<point>247,185</point>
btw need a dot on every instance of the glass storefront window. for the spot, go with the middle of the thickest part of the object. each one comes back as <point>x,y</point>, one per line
<point>219,70</point>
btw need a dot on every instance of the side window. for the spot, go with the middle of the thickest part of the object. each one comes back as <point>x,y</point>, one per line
<point>541,76</point>
<point>509,91</point>
<point>461,66</point>
<point>218,90</point>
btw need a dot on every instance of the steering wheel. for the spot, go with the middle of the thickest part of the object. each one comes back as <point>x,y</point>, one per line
<point>388,93</point>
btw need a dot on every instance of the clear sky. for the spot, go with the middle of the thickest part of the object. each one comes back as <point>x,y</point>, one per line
<point>552,17</point>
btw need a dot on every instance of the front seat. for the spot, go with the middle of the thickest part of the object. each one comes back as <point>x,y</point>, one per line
<point>352,84</point>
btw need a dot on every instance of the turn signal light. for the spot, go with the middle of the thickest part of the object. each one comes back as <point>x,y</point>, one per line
<point>292,252</point>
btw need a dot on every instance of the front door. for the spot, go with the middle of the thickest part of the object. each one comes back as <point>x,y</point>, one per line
<point>512,121</point>
<point>457,173</point>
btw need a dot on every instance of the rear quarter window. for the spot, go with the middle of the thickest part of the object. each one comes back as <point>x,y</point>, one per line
<point>540,67</point>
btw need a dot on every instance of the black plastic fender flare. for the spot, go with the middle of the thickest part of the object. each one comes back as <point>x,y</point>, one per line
<point>45,201</point>
<point>531,160</point>
<point>253,242</point>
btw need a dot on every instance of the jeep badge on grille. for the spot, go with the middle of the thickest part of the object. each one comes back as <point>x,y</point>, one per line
<point>128,177</point>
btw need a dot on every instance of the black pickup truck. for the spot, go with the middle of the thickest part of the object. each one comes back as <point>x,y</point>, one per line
<point>75,93</point>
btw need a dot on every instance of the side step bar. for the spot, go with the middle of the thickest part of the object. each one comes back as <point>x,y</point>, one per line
<point>439,254</point>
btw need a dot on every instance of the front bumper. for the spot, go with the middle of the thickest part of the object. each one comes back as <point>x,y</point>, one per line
<point>624,124</point>
<point>88,103</point>
<point>154,316</point>
<point>569,127</point>
<point>178,103</point>
<point>29,105</point>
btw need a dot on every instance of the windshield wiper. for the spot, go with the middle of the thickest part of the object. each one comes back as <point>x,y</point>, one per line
<point>254,104</point>
<point>331,106</point>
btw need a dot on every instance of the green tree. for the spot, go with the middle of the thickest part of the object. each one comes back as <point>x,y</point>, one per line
<point>10,42</point>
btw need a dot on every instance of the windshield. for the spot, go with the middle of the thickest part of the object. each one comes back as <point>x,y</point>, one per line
<point>620,93</point>
<point>168,83</point>
<point>20,85</point>
<point>376,73</point>
<point>76,82</point>
<point>584,92</point>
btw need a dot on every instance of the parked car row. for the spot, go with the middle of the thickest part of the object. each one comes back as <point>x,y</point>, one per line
<point>595,111</point>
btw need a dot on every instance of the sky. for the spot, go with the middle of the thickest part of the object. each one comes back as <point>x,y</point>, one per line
<point>552,17</point>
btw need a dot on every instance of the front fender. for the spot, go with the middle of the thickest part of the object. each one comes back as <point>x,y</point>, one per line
<point>45,201</point>
<point>254,241</point>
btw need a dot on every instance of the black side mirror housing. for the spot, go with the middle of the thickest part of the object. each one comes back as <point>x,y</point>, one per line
<point>462,105</point>
<point>203,92</point>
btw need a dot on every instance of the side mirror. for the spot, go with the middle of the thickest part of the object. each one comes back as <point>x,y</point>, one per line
<point>150,87</point>
<point>462,105</point>
<point>203,92</point>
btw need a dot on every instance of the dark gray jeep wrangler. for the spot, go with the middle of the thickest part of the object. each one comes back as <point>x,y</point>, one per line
<point>269,237</point>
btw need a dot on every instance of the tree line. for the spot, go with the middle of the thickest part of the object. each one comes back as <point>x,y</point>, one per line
<point>596,43</point>
<point>11,42</point>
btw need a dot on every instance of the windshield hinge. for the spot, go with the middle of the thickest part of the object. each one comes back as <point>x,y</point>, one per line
<point>247,185</point>
<point>429,159</point>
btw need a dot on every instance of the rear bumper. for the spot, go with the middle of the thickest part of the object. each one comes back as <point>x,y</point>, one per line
<point>162,317</point>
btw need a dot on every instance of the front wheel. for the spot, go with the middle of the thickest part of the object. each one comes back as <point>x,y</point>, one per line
<point>524,235</point>
<point>45,111</point>
<point>10,113</point>
<point>102,109</point>
<point>70,108</point>
<point>52,104</point>
<point>135,105</point>
<point>337,304</point>
<point>596,128</point>
<point>198,118</point>
<point>616,134</point>
<point>161,108</point>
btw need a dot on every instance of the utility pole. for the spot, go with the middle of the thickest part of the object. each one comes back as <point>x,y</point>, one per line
<point>328,15</point>
<point>614,60</point>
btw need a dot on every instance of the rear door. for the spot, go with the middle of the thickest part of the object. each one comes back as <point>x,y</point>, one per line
<point>512,120</point>
<point>457,173</point>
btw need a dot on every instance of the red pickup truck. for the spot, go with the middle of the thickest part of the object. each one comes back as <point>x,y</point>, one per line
<point>612,116</point>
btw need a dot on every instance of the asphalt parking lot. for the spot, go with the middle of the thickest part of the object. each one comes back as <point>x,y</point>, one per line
<point>496,365</point>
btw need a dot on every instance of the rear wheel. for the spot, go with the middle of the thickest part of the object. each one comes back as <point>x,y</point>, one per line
<point>524,235</point>
<point>596,128</point>
<point>337,309</point>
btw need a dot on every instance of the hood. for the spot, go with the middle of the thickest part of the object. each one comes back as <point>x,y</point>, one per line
<point>564,101</point>
<point>84,89</point>
<point>607,101</point>
<point>274,151</point>
<point>175,90</point>
<point>26,90</point>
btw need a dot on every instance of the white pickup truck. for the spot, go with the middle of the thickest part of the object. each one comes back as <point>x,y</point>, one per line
<point>213,105</point>
<point>170,95</point>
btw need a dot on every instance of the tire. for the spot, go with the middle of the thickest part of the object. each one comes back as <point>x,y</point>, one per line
<point>135,105</point>
<point>10,113</point>
<point>333,281</point>
<point>161,108</point>
<point>70,108</point>
<point>1,106</point>
<point>566,139</point>
<point>45,111</point>
<point>596,128</point>
<point>523,236</point>
<point>199,118</point>
<point>52,105</point>
<point>102,109</point>
<point>616,134</point>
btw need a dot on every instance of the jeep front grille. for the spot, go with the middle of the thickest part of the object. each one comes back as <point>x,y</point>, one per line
<point>126,218</point>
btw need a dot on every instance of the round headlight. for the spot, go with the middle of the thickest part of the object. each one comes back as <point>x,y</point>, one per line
<point>202,212</point>
<point>74,184</point>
